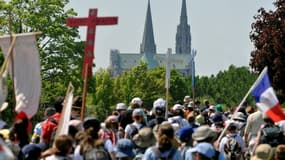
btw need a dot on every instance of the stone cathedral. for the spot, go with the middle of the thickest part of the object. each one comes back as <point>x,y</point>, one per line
<point>181,60</point>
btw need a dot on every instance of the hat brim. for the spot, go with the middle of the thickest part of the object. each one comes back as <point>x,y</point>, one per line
<point>120,154</point>
<point>144,143</point>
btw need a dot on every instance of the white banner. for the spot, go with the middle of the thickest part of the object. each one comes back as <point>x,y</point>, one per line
<point>63,124</point>
<point>26,71</point>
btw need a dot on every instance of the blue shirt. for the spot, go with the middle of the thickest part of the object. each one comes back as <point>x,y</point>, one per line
<point>150,154</point>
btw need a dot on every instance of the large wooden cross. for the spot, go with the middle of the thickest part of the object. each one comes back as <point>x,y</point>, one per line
<point>91,22</point>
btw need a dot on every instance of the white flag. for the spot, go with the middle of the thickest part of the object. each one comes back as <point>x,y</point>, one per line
<point>26,71</point>
<point>63,123</point>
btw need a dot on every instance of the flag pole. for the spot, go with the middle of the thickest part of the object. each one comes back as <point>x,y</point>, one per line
<point>84,94</point>
<point>167,80</point>
<point>243,100</point>
<point>6,61</point>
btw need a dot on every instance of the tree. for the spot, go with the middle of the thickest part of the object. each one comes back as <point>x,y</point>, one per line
<point>104,96</point>
<point>268,36</point>
<point>60,54</point>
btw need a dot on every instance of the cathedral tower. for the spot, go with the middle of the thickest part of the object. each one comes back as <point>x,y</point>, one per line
<point>183,36</point>
<point>148,44</point>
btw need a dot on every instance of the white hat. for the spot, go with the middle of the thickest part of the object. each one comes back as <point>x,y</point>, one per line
<point>121,106</point>
<point>159,103</point>
<point>137,100</point>
<point>178,106</point>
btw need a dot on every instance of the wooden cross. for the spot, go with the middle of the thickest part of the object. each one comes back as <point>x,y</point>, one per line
<point>167,59</point>
<point>91,22</point>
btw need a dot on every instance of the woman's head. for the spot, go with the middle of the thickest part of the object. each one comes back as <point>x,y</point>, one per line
<point>63,145</point>
<point>112,122</point>
<point>165,137</point>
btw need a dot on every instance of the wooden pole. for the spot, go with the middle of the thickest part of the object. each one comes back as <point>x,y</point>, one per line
<point>166,104</point>
<point>84,94</point>
<point>193,93</point>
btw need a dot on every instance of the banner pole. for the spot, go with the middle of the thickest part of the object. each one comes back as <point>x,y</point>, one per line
<point>84,94</point>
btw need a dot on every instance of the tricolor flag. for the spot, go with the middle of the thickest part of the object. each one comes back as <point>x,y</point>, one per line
<point>266,99</point>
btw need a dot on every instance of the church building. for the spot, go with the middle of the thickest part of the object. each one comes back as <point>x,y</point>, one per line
<point>181,60</point>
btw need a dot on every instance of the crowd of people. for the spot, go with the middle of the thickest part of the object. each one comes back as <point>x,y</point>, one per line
<point>188,130</point>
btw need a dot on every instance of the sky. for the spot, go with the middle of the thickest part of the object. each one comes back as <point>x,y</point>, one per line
<point>219,29</point>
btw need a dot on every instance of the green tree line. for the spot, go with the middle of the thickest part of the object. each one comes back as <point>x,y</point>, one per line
<point>61,56</point>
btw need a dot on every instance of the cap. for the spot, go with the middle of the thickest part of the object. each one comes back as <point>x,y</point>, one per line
<point>137,100</point>
<point>121,106</point>
<point>178,107</point>
<point>185,133</point>
<point>204,148</point>
<point>124,148</point>
<point>137,112</point>
<point>159,103</point>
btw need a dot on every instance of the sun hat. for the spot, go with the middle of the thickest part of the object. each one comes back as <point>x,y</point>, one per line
<point>204,148</point>
<point>137,100</point>
<point>239,116</point>
<point>263,152</point>
<point>159,103</point>
<point>203,132</point>
<point>187,99</point>
<point>199,119</point>
<point>178,107</point>
<point>184,134</point>
<point>137,112</point>
<point>121,106</point>
<point>124,148</point>
<point>144,138</point>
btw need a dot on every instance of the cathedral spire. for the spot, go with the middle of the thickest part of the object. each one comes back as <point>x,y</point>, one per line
<point>148,44</point>
<point>183,16</point>
<point>183,36</point>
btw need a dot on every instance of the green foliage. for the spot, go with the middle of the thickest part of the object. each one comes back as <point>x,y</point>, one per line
<point>227,87</point>
<point>60,54</point>
<point>268,37</point>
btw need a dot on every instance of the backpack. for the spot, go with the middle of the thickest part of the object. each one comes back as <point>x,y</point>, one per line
<point>97,153</point>
<point>158,153</point>
<point>49,129</point>
<point>272,135</point>
<point>232,148</point>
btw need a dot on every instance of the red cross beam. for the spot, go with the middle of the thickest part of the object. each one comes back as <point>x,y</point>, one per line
<point>91,22</point>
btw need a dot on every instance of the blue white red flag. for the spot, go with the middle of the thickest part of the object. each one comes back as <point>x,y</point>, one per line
<point>266,99</point>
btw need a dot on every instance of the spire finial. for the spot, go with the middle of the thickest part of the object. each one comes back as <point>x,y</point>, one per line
<point>148,44</point>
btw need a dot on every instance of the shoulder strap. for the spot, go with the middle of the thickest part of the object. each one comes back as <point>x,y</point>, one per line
<point>171,153</point>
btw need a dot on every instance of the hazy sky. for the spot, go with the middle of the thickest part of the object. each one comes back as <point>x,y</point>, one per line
<point>219,29</point>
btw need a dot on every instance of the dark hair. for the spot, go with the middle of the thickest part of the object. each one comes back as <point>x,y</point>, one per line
<point>63,144</point>
<point>58,103</point>
<point>268,120</point>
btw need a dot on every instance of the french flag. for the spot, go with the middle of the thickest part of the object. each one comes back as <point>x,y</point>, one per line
<point>265,98</point>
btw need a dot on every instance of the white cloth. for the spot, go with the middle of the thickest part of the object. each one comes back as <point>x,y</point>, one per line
<point>63,124</point>
<point>26,69</point>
